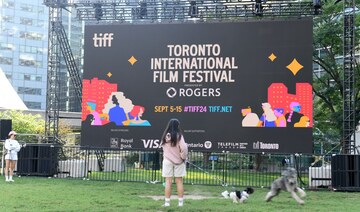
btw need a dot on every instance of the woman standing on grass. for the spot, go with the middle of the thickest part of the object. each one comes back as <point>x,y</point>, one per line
<point>175,153</point>
<point>12,147</point>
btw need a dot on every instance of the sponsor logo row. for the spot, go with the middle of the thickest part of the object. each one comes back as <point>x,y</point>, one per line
<point>155,143</point>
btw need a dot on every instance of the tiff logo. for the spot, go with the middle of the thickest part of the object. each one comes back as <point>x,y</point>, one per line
<point>103,40</point>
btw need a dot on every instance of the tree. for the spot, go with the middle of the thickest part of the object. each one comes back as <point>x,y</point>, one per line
<point>26,123</point>
<point>328,84</point>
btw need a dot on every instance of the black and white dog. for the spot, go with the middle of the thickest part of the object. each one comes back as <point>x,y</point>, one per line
<point>238,196</point>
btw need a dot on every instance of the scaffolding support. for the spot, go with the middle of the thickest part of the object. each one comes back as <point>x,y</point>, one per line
<point>349,124</point>
<point>145,11</point>
<point>58,41</point>
<point>190,10</point>
<point>53,87</point>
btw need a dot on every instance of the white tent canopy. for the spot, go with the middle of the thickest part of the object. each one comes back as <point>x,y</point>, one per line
<point>9,99</point>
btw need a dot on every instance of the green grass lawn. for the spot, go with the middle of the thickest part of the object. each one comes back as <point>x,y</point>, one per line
<point>44,194</point>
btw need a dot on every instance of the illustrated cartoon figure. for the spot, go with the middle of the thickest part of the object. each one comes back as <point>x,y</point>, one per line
<point>304,122</point>
<point>294,115</point>
<point>280,120</point>
<point>268,118</point>
<point>136,113</point>
<point>135,116</point>
<point>91,106</point>
<point>89,120</point>
<point>118,113</point>
<point>250,119</point>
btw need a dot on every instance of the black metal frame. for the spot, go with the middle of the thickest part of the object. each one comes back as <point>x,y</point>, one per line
<point>183,10</point>
<point>53,87</point>
<point>349,123</point>
<point>142,11</point>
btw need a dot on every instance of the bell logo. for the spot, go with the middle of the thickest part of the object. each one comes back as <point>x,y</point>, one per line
<point>151,143</point>
<point>103,40</point>
<point>208,144</point>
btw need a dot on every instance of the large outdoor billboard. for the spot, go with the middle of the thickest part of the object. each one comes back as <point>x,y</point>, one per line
<point>240,86</point>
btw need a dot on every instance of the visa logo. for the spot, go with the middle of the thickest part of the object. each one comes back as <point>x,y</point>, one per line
<point>151,143</point>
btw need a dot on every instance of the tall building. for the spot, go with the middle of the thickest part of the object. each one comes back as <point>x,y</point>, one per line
<point>24,49</point>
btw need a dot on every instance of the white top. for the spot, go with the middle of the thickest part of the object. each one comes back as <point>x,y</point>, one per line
<point>12,147</point>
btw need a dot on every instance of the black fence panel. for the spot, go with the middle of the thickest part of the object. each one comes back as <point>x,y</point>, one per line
<point>203,168</point>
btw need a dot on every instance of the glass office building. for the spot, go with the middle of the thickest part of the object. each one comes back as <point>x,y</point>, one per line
<point>24,49</point>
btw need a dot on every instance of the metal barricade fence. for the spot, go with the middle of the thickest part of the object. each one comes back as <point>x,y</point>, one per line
<point>203,168</point>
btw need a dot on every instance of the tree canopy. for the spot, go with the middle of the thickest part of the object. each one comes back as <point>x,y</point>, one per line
<point>29,124</point>
<point>328,82</point>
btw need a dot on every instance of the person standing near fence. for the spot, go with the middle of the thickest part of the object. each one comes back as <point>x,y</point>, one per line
<point>12,147</point>
<point>175,154</point>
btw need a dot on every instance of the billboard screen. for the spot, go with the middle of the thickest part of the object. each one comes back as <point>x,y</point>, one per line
<point>242,87</point>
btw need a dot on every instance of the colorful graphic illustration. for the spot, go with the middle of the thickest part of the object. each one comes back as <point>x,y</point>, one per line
<point>252,94</point>
<point>250,119</point>
<point>268,118</point>
<point>280,118</point>
<point>287,106</point>
<point>96,117</point>
<point>303,122</point>
<point>294,115</point>
<point>116,109</point>
<point>293,112</point>
<point>135,116</point>
<point>96,91</point>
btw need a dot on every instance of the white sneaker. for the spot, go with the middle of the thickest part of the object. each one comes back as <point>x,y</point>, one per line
<point>11,180</point>
<point>167,204</point>
<point>7,180</point>
<point>181,204</point>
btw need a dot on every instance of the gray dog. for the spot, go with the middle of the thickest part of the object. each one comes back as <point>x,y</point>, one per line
<point>287,182</point>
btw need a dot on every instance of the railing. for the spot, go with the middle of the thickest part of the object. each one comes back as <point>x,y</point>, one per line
<point>203,168</point>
